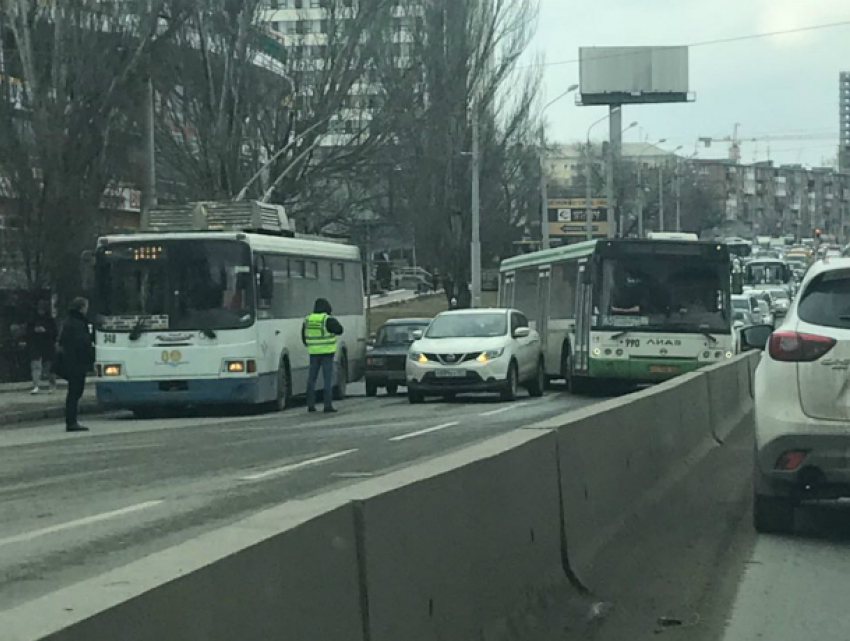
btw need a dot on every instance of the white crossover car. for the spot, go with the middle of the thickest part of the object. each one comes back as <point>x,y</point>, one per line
<point>802,399</point>
<point>479,350</point>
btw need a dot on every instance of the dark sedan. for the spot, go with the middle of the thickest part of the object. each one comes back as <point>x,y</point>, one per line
<point>385,360</point>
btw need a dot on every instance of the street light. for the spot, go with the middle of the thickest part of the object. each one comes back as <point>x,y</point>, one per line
<point>640,182</point>
<point>661,192</point>
<point>544,195</point>
<point>588,197</point>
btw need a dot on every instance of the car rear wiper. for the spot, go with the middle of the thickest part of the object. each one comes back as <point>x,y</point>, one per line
<point>209,333</point>
<point>703,329</point>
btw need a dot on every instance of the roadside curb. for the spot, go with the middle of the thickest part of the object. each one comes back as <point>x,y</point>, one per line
<point>31,415</point>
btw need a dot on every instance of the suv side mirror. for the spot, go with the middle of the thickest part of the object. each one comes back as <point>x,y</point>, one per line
<point>417,334</point>
<point>371,341</point>
<point>755,337</point>
<point>522,332</point>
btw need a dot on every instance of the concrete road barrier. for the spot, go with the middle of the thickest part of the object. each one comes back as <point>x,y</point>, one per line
<point>615,453</point>
<point>730,392</point>
<point>287,573</point>
<point>464,546</point>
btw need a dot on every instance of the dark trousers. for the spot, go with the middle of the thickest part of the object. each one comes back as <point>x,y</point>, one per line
<point>325,362</point>
<point>76,385</point>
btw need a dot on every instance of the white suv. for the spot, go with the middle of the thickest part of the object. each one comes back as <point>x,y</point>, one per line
<point>802,399</point>
<point>478,350</point>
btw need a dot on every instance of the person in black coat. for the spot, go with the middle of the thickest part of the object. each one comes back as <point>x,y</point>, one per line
<point>77,357</point>
<point>41,341</point>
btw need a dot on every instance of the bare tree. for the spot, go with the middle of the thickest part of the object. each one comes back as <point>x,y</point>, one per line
<point>69,78</point>
<point>460,56</point>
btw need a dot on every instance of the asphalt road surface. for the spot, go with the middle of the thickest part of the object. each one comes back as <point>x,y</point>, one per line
<point>76,505</point>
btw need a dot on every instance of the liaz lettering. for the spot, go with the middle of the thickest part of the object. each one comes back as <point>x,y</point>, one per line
<point>672,342</point>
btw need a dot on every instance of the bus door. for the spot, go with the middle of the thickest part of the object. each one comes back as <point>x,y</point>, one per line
<point>584,310</point>
<point>506,291</point>
<point>543,295</point>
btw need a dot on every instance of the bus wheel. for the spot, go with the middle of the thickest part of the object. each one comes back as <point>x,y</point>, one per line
<point>339,391</point>
<point>284,387</point>
<point>371,389</point>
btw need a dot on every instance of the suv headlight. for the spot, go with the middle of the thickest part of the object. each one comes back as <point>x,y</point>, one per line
<point>419,357</point>
<point>490,355</point>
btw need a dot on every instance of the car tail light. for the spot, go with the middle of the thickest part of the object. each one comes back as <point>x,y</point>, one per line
<point>797,347</point>
<point>790,460</point>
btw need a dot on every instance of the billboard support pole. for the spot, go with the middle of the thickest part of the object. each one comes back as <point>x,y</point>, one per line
<point>615,144</point>
<point>588,195</point>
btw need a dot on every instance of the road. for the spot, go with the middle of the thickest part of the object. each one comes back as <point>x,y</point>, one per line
<point>75,505</point>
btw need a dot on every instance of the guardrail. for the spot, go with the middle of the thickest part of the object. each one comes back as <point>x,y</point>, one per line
<point>461,547</point>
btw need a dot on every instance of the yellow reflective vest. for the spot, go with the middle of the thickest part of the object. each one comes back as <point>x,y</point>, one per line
<point>319,339</point>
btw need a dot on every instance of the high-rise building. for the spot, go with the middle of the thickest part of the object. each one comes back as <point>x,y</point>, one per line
<point>844,111</point>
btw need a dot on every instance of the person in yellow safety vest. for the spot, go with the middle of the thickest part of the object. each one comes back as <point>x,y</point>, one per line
<point>319,333</point>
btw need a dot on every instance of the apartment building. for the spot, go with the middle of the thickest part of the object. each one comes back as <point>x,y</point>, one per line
<point>565,164</point>
<point>305,28</point>
<point>789,199</point>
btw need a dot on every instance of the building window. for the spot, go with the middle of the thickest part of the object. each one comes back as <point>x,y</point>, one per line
<point>337,271</point>
<point>312,269</point>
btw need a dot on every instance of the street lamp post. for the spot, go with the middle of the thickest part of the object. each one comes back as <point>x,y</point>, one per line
<point>588,201</point>
<point>640,184</point>
<point>544,187</point>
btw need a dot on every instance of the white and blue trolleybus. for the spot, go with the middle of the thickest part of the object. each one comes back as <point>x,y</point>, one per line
<point>214,316</point>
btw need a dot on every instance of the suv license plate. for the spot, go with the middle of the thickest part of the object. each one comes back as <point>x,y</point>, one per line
<point>450,373</point>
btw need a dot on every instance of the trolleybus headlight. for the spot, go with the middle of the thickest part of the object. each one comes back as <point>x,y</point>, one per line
<point>234,367</point>
<point>251,366</point>
<point>619,352</point>
<point>728,355</point>
<point>597,351</point>
<point>113,369</point>
<point>706,354</point>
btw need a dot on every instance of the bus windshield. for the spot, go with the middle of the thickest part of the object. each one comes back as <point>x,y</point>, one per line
<point>663,293</point>
<point>174,285</point>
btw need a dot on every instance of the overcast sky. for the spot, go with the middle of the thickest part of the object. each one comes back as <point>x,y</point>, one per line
<point>781,85</point>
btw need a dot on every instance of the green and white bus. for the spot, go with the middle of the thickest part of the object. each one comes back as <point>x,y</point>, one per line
<point>625,310</point>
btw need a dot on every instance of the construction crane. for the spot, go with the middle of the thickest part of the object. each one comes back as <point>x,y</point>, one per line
<point>735,141</point>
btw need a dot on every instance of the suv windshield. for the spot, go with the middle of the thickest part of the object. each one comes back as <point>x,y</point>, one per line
<point>472,325</point>
<point>393,335</point>
<point>664,293</point>
<point>826,301</point>
<point>175,285</point>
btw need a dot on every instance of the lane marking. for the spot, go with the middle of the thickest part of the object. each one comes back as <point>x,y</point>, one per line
<point>297,466</point>
<point>28,536</point>
<point>502,410</point>
<point>427,430</point>
<point>353,475</point>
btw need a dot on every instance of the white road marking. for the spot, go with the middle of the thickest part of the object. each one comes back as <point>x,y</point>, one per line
<point>502,410</point>
<point>428,430</point>
<point>28,536</point>
<point>353,475</point>
<point>297,466</point>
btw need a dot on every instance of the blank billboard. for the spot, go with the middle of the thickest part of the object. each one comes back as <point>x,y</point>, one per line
<point>629,75</point>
